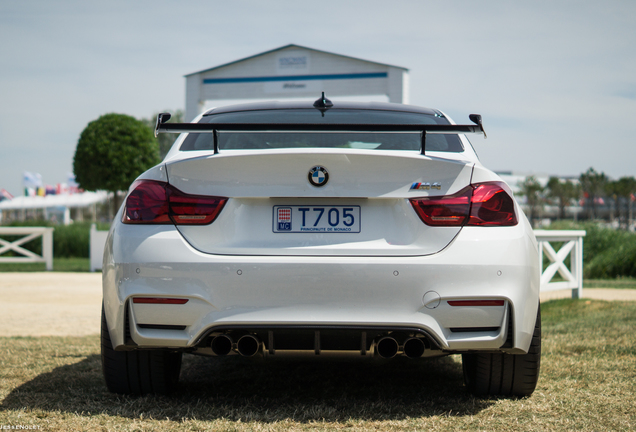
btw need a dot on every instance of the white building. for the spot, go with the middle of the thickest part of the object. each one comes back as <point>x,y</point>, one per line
<point>294,71</point>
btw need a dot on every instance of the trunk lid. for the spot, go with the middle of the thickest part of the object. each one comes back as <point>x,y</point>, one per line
<point>367,194</point>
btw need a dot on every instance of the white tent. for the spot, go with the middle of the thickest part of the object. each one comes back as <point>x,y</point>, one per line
<point>54,203</point>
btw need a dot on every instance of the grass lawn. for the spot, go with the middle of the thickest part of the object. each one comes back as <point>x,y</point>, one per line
<point>620,283</point>
<point>588,382</point>
<point>59,265</point>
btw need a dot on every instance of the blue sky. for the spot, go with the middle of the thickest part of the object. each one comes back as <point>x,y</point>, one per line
<point>555,81</point>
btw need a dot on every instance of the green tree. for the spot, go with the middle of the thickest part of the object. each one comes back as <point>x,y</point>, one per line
<point>112,151</point>
<point>563,191</point>
<point>612,189</point>
<point>165,139</point>
<point>630,195</point>
<point>622,188</point>
<point>593,186</point>
<point>532,190</point>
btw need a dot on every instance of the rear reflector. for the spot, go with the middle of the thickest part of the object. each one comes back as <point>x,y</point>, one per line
<point>159,300</point>
<point>481,204</point>
<point>476,302</point>
<point>166,327</point>
<point>155,202</point>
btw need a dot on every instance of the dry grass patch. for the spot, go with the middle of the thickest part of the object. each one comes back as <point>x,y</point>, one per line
<point>618,283</point>
<point>588,381</point>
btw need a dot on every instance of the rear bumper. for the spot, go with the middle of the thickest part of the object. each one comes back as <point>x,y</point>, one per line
<point>383,294</point>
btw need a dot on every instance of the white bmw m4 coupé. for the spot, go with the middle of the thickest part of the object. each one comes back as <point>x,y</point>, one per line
<point>324,229</point>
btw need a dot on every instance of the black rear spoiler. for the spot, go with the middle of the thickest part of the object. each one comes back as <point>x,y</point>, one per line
<point>163,127</point>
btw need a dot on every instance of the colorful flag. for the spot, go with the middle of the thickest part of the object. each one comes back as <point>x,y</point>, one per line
<point>5,195</point>
<point>31,180</point>
<point>73,187</point>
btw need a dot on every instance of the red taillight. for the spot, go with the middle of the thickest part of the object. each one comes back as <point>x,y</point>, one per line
<point>449,210</point>
<point>482,204</point>
<point>147,203</point>
<point>193,209</point>
<point>155,202</point>
<point>492,205</point>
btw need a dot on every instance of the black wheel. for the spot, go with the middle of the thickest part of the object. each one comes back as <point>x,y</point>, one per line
<point>505,374</point>
<point>138,372</point>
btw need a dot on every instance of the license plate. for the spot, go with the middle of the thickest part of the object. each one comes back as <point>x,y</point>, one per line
<point>316,219</point>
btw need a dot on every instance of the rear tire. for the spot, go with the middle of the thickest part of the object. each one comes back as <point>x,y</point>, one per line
<point>504,374</point>
<point>138,372</point>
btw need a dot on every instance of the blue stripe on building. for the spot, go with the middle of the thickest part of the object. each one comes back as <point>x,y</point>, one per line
<point>295,78</point>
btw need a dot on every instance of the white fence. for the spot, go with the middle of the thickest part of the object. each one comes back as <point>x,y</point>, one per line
<point>98,241</point>
<point>26,256</point>
<point>573,247</point>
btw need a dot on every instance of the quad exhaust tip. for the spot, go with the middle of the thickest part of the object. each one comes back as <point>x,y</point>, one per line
<point>248,345</point>
<point>414,347</point>
<point>222,345</point>
<point>387,347</point>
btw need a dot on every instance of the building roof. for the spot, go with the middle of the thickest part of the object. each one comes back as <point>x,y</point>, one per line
<point>292,46</point>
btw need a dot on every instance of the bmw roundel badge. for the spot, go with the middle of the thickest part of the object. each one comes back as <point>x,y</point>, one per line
<point>318,176</point>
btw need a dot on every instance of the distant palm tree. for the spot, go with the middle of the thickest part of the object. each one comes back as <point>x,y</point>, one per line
<point>624,188</point>
<point>593,186</point>
<point>564,191</point>
<point>532,190</point>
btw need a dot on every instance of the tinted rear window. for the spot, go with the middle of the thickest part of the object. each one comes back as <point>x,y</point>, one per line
<point>359,140</point>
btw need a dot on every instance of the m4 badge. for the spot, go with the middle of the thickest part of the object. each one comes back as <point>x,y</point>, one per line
<point>426,186</point>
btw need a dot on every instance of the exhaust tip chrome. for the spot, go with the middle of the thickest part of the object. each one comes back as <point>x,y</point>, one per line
<point>222,345</point>
<point>387,347</point>
<point>248,345</point>
<point>414,347</point>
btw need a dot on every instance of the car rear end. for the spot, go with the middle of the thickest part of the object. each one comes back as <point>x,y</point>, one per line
<point>292,247</point>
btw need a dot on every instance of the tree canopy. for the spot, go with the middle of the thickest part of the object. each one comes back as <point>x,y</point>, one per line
<point>564,191</point>
<point>622,189</point>
<point>531,189</point>
<point>593,185</point>
<point>112,151</point>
